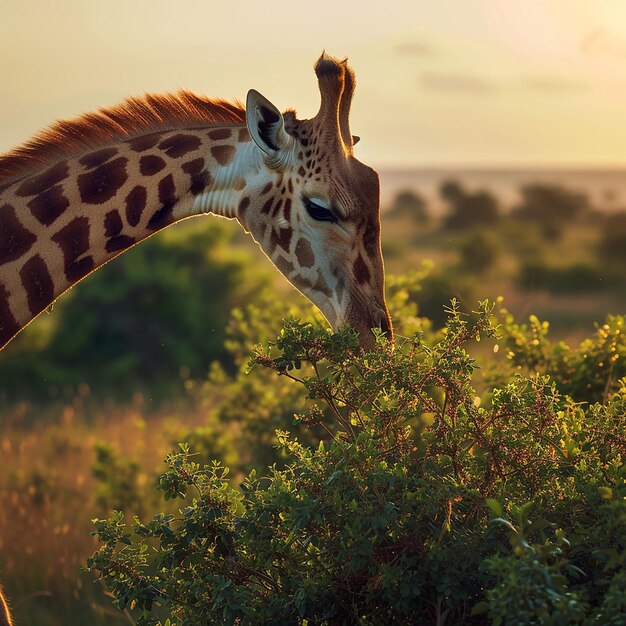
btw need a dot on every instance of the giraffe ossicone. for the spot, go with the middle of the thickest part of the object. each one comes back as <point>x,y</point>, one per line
<point>84,191</point>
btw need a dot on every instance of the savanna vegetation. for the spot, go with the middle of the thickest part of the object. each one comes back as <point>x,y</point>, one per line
<point>472,475</point>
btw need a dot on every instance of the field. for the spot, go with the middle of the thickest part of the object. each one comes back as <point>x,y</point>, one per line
<point>97,392</point>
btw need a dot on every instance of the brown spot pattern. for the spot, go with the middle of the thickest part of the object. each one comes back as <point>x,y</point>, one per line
<point>36,184</point>
<point>49,205</point>
<point>219,133</point>
<point>267,207</point>
<point>120,242</point>
<point>287,209</point>
<point>167,190</point>
<point>243,205</point>
<point>193,167</point>
<point>145,142</point>
<point>112,224</point>
<point>102,183</point>
<point>361,272</point>
<point>93,159</point>
<point>179,145</point>
<point>167,198</point>
<point>266,189</point>
<point>199,179</point>
<point>73,240</point>
<point>277,207</point>
<point>283,238</point>
<point>371,237</point>
<point>15,240</point>
<point>135,204</point>
<point>322,286</point>
<point>223,154</point>
<point>150,164</point>
<point>285,266</point>
<point>244,135</point>
<point>8,323</point>
<point>304,252</point>
<point>38,284</point>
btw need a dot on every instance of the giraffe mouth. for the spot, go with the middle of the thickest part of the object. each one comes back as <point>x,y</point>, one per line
<point>363,321</point>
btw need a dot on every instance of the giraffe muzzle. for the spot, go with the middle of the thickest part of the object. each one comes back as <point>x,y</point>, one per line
<point>376,317</point>
<point>381,319</point>
<point>385,324</point>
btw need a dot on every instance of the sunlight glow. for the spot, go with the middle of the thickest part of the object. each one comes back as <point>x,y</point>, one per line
<point>479,82</point>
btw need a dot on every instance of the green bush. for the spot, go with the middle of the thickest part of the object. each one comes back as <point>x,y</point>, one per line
<point>612,245</point>
<point>480,252</point>
<point>409,204</point>
<point>424,503</point>
<point>551,206</point>
<point>435,289</point>
<point>245,409</point>
<point>117,480</point>
<point>467,209</point>
<point>591,372</point>
<point>576,278</point>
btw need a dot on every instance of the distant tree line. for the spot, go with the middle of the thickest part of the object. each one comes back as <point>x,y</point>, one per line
<point>479,228</point>
<point>552,206</point>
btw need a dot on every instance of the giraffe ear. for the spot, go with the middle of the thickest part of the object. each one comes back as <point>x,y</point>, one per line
<point>265,124</point>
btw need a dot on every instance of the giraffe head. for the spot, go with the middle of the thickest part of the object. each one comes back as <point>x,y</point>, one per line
<point>314,208</point>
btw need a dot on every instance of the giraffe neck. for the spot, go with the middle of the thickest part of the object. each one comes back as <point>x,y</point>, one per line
<point>228,184</point>
<point>60,224</point>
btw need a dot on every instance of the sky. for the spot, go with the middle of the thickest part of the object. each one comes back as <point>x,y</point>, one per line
<point>445,83</point>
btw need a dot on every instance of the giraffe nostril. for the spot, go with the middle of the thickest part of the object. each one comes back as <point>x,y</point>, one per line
<point>384,323</point>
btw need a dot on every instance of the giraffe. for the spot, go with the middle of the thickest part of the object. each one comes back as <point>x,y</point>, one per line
<point>84,191</point>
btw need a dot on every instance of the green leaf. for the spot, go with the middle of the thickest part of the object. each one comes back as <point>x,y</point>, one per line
<point>479,608</point>
<point>494,506</point>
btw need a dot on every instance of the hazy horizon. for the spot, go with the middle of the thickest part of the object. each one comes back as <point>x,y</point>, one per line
<point>605,187</point>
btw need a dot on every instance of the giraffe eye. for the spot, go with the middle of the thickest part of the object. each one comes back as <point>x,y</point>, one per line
<point>317,211</point>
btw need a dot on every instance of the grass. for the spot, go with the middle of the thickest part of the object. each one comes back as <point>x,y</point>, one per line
<point>49,495</point>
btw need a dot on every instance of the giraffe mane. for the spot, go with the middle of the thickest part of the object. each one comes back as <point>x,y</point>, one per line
<point>130,118</point>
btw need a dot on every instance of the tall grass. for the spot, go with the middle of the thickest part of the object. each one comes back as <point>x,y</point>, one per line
<point>48,495</point>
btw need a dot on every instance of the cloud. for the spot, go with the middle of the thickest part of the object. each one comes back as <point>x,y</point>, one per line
<point>555,85</point>
<point>471,84</point>
<point>450,82</point>
<point>414,49</point>
<point>601,43</point>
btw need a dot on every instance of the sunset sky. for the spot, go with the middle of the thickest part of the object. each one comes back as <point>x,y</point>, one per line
<point>440,83</point>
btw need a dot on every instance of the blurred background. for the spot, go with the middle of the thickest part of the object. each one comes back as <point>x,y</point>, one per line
<point>498,132</point>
